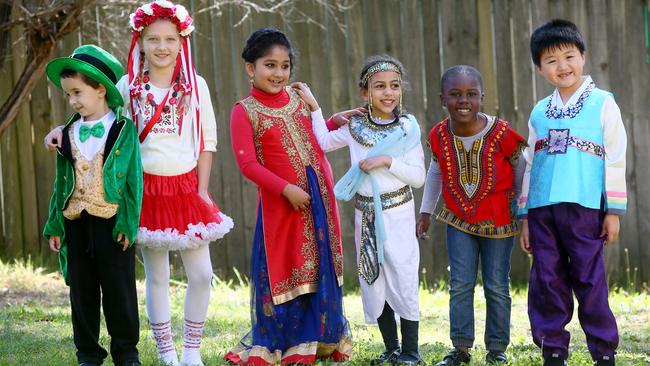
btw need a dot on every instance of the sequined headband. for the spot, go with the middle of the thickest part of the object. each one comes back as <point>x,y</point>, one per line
<point>379,67</point>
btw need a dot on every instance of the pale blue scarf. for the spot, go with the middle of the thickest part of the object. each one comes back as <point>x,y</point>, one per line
<point>397,143</point>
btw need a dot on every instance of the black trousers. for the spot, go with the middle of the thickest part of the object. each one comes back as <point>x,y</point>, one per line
<point>100,273</point>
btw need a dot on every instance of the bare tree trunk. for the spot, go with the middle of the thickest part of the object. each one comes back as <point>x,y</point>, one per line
<point>44,25</point>
<point>23,88</point>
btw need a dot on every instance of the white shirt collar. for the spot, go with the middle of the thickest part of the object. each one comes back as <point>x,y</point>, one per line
<point>556,99</point>
<point>91,146</point>
<point>107,120</point>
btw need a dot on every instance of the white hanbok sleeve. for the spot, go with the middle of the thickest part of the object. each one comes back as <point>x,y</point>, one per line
<point>615,144</point>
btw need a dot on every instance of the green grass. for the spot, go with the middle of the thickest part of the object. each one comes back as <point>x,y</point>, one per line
<point>35,326</point>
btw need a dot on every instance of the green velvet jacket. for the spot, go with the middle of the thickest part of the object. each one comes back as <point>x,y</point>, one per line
<point>122,183</point>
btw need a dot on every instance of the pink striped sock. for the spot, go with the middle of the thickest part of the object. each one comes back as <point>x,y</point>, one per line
<point>162,332</point>
<point>192,332</point>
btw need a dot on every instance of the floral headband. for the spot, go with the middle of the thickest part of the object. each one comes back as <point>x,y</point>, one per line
<point>379,67</point>
<point>150,12</point>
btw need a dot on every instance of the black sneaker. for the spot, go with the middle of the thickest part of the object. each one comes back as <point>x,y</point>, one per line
<point>455,357</point>
<point>408,359</point>
<point>555,360</point>
<point>388,357</point>
<point>606,361</point>
<point>496,357</point>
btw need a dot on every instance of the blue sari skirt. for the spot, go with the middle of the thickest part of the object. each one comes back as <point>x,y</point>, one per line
<point>309,327</point>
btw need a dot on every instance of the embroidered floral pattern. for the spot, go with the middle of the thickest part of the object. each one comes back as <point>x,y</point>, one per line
<point>88,191</point>
<point>475,177</point>
<point>558,143</point>
<point>301,151</point>
<point>554,112</point>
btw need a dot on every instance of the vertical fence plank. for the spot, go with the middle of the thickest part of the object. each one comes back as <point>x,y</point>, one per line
<point>25,161</point>
<point>638,137</point>
<point>460,33</point>
<point>486,56</point>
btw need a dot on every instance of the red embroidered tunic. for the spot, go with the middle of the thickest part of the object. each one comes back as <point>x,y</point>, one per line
<point>273,143</point>
<point>478,184</point>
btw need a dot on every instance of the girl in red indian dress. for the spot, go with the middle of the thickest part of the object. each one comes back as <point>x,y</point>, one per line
<point>296,263</point>
<point>476,164</point>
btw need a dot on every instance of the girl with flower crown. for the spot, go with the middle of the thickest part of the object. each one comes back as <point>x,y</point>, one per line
<point>170,105</point>
<point>387,159</point>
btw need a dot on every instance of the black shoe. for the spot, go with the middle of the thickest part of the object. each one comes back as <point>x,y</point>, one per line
<point>132,363</point>
<point>496,357</point>
<point>455,357</point>
<point>554,360</point>
<point>388,357</point>
<point>88,364</point>
<point>606,361</point>
<point>410,360</point>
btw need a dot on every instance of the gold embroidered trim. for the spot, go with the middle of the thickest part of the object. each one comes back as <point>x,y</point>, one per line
<point>388,200</point>
<point>297,142</point>
<point>320,350</point>
<point>88,191</point>
<point>468,175</point>
<point>484,229</point>
<point>297,291</point>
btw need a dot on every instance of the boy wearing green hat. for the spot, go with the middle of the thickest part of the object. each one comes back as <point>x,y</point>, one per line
<point>95,207</point>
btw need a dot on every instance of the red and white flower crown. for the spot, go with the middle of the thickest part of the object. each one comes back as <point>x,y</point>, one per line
<point>150,12</point>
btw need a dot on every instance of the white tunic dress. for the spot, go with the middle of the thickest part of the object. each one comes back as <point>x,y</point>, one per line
<point>398,277</point>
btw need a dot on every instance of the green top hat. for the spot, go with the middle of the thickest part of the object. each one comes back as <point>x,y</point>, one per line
<point>95,63</point>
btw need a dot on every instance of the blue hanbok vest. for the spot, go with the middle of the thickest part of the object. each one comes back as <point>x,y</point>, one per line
<point>568,164</point>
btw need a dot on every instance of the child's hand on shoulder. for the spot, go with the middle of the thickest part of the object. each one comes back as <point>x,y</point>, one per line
<point>343,117</point>
<point>55,243</point>
<point>53,139</point>
<point>375,162</point>
<point>524,238</point>
<point>611,228</point>
<point>124,240</point>
<point>422,225</point>
<point>305,94</point>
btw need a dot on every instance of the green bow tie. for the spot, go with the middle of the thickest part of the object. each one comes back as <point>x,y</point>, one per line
<point>96,130</point>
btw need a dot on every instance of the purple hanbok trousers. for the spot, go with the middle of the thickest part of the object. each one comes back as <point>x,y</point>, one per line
<point>568,257</point>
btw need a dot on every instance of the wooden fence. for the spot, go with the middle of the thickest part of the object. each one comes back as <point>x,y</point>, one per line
<point>428,36</point>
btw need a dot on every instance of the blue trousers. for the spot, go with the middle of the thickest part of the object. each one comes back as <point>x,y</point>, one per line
<point>464,252</point>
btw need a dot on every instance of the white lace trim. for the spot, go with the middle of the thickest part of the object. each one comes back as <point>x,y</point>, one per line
<point>194,237</point>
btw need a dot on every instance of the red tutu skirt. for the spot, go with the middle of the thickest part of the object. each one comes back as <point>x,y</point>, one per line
<point>175,217</point>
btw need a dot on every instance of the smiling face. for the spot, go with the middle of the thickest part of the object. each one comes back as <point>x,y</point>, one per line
<point>385,89</point>
<point>271,72</point>
<point>161,43</point>
<point>562,66</point>
<point>462,96</point>
<point>89,102</point>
